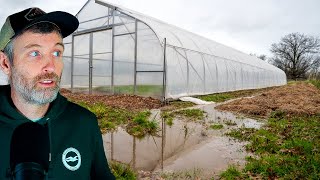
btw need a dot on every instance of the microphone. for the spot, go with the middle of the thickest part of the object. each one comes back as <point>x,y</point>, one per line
<point>29,152</point>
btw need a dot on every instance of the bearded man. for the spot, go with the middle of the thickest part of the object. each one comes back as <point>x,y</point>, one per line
<point>31,56</point>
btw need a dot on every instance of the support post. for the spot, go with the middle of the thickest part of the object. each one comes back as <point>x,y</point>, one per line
<point>164,81</point>
<point>135,56</point>
<point>90,62</point>
<point>72,61</point>
<point>112,61</point>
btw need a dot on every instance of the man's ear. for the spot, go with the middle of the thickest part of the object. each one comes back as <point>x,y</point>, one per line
<point>5,63</point>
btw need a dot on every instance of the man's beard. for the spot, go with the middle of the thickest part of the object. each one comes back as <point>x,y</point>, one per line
<point>30,92</point>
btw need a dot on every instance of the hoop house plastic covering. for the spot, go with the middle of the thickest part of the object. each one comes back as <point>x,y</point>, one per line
<point>121,51</point>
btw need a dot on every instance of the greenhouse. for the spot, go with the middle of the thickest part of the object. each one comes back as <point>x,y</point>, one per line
<point>116,50</point>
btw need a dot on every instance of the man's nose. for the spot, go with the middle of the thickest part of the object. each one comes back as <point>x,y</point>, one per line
<point>49,64</point>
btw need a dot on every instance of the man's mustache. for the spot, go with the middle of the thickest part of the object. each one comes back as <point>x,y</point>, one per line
<point>48,76</point>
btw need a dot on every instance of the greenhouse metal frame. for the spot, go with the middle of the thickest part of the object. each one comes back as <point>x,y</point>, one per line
<point>116,50</point>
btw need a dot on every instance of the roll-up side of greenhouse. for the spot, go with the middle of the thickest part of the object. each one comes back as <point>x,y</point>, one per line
<point>116,50</point>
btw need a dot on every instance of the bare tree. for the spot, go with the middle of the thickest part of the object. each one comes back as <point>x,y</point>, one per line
<point>296,54</point>
<point>262,56</point>
<point>314,73</point>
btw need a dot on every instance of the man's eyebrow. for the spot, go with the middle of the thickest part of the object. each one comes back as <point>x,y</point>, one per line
<point>37,45</point>
<point>61,44</point>
<point>31,46</point>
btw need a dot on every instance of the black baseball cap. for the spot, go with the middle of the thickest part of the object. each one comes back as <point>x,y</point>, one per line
<point>16,23</point>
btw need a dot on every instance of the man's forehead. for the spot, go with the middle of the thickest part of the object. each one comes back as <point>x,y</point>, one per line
<point>32,39</point>
<point>32,32</point>
<point>29,37</point>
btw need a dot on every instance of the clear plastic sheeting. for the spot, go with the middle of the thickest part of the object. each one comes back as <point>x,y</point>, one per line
<point>116,50</point>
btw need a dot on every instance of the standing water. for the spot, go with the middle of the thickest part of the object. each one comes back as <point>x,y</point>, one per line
<point>182,146</point>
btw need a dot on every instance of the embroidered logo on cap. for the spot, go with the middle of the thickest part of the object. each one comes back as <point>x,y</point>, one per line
<point>71,159</point>
<point>34,13</point>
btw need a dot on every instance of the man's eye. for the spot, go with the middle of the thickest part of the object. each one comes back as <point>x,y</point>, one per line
<point>57,53</point>
<point>34,53</point>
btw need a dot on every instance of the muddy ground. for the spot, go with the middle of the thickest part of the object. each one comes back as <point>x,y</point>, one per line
<point>295,99</point>
<point>130,102</point>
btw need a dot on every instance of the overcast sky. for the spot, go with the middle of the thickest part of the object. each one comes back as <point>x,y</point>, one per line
<point>250,26</point>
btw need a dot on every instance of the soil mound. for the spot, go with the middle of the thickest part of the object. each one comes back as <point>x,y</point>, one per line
<point>295,99</point>
<point>130,102</point>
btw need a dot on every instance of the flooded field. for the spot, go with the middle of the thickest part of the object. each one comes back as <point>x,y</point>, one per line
<point>184,145</point>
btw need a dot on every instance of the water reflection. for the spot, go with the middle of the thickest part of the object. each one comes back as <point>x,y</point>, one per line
<point>180,146</point>
<point>147,153</point>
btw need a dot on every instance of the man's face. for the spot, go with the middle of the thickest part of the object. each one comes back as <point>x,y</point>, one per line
<point>37,67</point>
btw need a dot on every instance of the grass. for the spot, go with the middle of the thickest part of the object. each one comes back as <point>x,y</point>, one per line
<point>122,171</point>
<point>129,89</point>
<point>221,97</point>
<point>140,126</point>
<point>180,104</point>
<point>183,175</point>
<point>109,118</point>
<point>229,122</point>
<point>288,148</point>
<point>216,126</point>
<point>190,114</point>
<point>168,117</point>
<point>175,105</point>
<point>231,173</point>
<point>315,83</point>
<point>242,134</point>
<point>291,82</point>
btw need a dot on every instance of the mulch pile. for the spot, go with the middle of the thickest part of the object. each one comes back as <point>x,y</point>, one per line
<point>125,101</point>
<point>295,99</point>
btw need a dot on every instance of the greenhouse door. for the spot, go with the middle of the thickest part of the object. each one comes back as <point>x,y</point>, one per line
<point>92,62</point>
<point>101,61</point>
<point>124,54</point>
<point>138,60</point>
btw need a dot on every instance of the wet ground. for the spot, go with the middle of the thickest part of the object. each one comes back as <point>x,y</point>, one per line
<point>184,145</point>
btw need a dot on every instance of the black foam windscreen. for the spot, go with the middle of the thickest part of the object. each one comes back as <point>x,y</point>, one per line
<point>30,143</point>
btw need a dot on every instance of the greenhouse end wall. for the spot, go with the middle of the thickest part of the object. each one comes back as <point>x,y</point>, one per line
<point>116,50</point>
<point>107,54</point>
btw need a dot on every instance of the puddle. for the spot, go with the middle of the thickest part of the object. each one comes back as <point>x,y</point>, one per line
<point>215,116</point>
<point>146,154</point>
<point>211,156</point>
<point>185,145</point>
